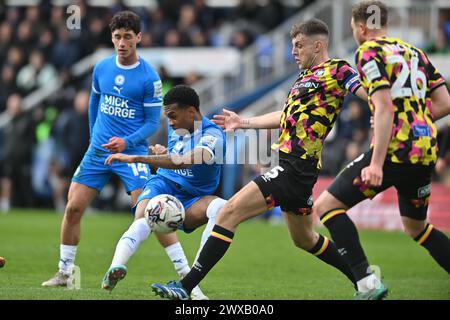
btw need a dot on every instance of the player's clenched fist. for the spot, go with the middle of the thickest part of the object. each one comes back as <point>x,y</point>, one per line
<point>372,175</point>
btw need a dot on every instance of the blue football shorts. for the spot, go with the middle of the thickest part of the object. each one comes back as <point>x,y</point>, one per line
<point>93,172</point>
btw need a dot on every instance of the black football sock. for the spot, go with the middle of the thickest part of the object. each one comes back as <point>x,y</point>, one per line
<point>213,250</point>
<point>437,244</point>
<point>345,236</point>
<point>326,251</point>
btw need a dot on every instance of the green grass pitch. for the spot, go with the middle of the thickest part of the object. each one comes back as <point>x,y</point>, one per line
<point>261,264</point>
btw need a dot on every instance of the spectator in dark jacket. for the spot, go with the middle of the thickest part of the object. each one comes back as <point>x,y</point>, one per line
<point>19,138</point>
<point>72,139</point>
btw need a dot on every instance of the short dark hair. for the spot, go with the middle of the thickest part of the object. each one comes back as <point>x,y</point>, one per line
<point>127,20</point>
<point>182,95</point>
<point>310,28</point>
<point>360,12</point>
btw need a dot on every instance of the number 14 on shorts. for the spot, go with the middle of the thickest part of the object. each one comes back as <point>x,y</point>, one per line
<point>137,168</point>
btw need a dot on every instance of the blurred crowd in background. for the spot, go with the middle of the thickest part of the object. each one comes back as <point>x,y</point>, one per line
<point>41,149</point>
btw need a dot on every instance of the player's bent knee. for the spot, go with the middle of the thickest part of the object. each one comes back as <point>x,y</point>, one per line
<point>325,203</point>
<point>73,213</point>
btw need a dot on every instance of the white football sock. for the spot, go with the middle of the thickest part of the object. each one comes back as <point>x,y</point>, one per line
<point>130,241</point>
<point>66,258</point>
<point>211,212</point>
<point>178,258</point>
<point>368,283</point>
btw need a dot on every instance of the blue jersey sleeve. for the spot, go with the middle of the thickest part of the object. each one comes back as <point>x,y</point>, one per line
<point>151,125</point>
<point>153,93</point>
<point>212,141</point>
<point>94,99</point>
<point>152,110</point>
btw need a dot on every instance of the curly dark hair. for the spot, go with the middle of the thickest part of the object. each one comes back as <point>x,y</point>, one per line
<point>182,95</point>
<point>127,20</point>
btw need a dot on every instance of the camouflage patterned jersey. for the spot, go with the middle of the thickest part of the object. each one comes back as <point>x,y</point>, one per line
<point>312,106</point>
<point>392,63</point>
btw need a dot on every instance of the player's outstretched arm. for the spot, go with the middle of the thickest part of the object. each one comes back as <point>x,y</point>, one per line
<point>440,102</point>
<point>229,120</point>
<point>120,157</point>
<point>167,161</point>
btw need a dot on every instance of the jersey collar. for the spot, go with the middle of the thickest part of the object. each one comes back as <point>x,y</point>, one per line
<point>134,65</point>
<point>312,69</point>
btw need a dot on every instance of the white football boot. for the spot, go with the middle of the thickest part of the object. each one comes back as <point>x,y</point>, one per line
<point>59,280</point>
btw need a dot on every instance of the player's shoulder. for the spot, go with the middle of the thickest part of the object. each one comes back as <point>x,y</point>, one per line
<point>372,50</point>
<point>384,44</point>
<point>339,62</point>
<point>400,42</point>
<point>148,69</point>
<point>106,61</point>
<point>412,47</point>
<point>375,45</point>
<point>209,126</point>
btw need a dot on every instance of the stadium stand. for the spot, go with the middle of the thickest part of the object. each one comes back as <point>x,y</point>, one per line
<point>48,65</point>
